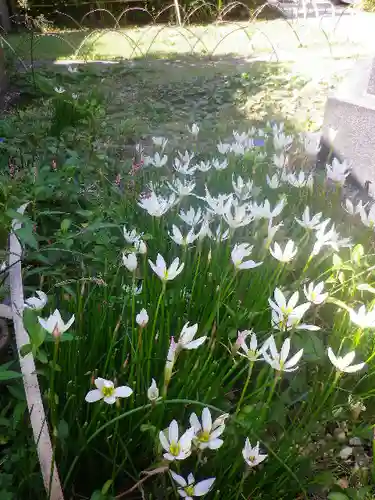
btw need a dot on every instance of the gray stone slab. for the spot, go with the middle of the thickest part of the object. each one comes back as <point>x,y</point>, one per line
<point>349,124</point>
<point>371,83</point>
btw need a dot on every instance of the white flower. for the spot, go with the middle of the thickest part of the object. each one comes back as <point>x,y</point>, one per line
<point>271,231</point>
<point>36,302</point>
<point>330,238</point>
<point>281,306</point>
<point>286,255</point>
<point>72,69</point>
<point>238,215</point>
<point>243,190</point>
<point>307,222</point>
<point>223,148</point>
<point>130,236</point>
<point>287,315</point>
<point>368,219</point>
<point>158,161</point>
<point>140,247</point>
<point>176,449</point>
<point>239,252</point>
<point>205,230</point>
<point>203,166</point>
<point>277,360</point>
<point>130,261</point>
<point>252,353</point>
<point>186,338</point>
<point>153,391</point>
<point>281,142</point>
<point>160,268</point>
<point>186,157</point>
<point>241,138</point>
<point>277,128</point>
<point>182,188</point>
<point>194,130</point>
<point>338,172</point>
<point>74,96</point>
<point>354,210</point>
<point>362,318</point>
<point>190,488</point>
<point>311,142</point>
<point>178,237</point>
<point>280,160</point>
<point>161,142</point>
<point>191,217</point>
<point>106,391</point>
<point>218,205</point>
<point>219,165</point>
<point>344,363</point>
<point>59,90</point>
<point>238,149</point>
<point>314,293</point>
<point>252,456</point>
<point>142,318</point>
<point>206,433</point>
<point>264,211</point>
<point>219,235</point>
<point>157,205</point>
<point>54,324</point>
<point>274,181</point>
<point>301,180</point>
<point>184,167</point>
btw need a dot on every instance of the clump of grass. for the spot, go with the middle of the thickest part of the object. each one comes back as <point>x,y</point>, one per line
<point>225,315</point>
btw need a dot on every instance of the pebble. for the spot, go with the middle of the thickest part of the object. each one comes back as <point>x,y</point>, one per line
<point>346,452</point>
<point>339,435</point>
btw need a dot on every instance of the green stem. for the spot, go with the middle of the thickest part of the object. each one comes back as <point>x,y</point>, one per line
<point>52,405</point>
<point>251,364</point>
<point>153,331</point>
<point>270,395</point>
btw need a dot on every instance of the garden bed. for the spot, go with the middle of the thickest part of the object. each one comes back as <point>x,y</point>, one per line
<point>99,214</point>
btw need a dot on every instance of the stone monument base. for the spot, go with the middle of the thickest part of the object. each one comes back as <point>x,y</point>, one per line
<point>349,125</point>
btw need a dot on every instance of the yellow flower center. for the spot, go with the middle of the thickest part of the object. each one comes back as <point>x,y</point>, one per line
<point>174,448</point>
<point>313,295</point>
<point>189,490</point>
<point>252,458</point>
<point>165,275</point>
<point>204,437</point>
<point>108,391</point>
<point>286,310</point>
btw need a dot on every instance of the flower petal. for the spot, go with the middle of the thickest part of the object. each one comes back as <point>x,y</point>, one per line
<point>203,487</point>
<point>178,479</point>
<point>163,440</point>
<point>285,348</point>
<point>195,343</point>
<point>100,383</point>
<point>110,400</point>
<point>354,368</point>
<point>206,420</point>
<point>123,391</point>
<point>294,359</point>
<point>93,396</point>
<point>194,422</point>
<point>173,432</point>
<point>215,444</point>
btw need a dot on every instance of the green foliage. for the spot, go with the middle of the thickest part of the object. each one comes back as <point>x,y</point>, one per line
<point>72,238</point>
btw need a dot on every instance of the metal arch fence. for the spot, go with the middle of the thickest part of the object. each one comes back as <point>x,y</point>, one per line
<point>293,16</point>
